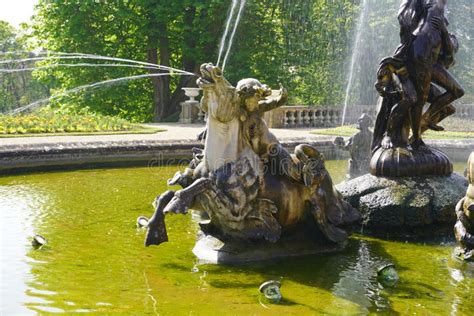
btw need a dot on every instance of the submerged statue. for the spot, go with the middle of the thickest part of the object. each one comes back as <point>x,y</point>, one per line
<point>359,147</point>
<point>248,184</point>
<point>464,228</point>
<point>408,80</point>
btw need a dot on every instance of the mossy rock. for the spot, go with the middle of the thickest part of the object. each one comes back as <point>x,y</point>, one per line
<point>405,207</point>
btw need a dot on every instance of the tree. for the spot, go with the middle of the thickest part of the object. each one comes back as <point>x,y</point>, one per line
<point>302,44</point>
<point>161,32</point>
<point>19,88</point>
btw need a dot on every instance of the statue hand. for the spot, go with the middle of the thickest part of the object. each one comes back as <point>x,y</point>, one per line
<point>449,61</point>
<point>437,22</point>
<point>380,87</point>
<point>283,96</point>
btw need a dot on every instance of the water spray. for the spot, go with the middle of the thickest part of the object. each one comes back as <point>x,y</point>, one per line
<point>226,32</point>
<point>231,40</point>
<point>85,87</point>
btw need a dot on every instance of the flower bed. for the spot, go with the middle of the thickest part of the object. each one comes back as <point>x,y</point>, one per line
<point>61,121</point>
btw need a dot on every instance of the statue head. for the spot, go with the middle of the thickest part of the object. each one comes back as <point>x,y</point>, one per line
<point>364,122</point>
<point>210,76</point>
<point>250,92</point>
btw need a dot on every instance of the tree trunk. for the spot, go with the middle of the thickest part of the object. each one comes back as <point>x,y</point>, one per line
<point>189,62</point>
<point>161,85</point>
<point>157,103</point>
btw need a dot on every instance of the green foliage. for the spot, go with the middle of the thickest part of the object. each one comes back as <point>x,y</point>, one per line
<point>131,29</point>
<point>302,44</point>
<point>16,89</point>
<point>461,18</point>
<point>61,120</point>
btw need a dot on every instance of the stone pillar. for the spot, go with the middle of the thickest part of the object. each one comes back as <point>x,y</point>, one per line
<point>189,112</point>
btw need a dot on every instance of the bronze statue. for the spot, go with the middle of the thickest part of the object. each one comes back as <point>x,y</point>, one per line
<point>405,83</point>
<point>464,228</point>
<point>248,184</point>
<point>359,148</point>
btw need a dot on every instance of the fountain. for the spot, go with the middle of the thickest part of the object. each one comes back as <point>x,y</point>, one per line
<point>261,203</point>
<point>411,189</point>
<point>238,180</point>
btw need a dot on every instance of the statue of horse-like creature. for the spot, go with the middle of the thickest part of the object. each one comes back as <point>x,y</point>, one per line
<point>245,180</point>
<point>464,228</point>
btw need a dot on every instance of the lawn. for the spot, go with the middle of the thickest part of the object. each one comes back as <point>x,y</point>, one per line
<point>455,129</point>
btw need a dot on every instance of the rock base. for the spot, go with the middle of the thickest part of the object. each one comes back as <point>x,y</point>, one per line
<point>405,207</point>
<point>209,249</point>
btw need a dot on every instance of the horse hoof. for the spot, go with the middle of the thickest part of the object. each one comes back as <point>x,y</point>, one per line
<point>177,206</point>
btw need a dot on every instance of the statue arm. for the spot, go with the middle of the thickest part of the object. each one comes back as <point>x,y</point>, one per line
<point>448,46</point>
<point>341,143</point>
<point>440,23</point>
<point>349,144</point>
<point>273,103</point>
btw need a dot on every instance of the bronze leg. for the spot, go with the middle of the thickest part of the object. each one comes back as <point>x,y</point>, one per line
<point>431,119</point>
<point>423,81</point>
<point>442,77</point>
<point>399,114</point>
<point>183,199</point>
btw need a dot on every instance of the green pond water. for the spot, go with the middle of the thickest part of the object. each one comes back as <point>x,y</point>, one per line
<point>95,261</point>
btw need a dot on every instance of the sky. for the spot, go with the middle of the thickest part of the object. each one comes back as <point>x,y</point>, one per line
<point>16,11</point>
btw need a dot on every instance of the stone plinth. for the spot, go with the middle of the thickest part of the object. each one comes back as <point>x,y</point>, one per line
<point>405,207</point>
<point>403,162</point>
<point>209,249</point>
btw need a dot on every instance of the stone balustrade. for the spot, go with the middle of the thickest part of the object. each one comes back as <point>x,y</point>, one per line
<point>303,116</point>
<point>298,116</point>
<point>465,111</point>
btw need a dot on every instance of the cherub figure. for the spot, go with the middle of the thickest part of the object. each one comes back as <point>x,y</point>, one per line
<point>254,103</point>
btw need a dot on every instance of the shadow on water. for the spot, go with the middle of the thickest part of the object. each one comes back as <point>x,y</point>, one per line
<point>350,275</point>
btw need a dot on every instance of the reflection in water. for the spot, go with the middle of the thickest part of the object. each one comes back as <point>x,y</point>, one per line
<point>462,274</point>
<point>96,262</point>
<point>20,206</point>
<point>358,282</point>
